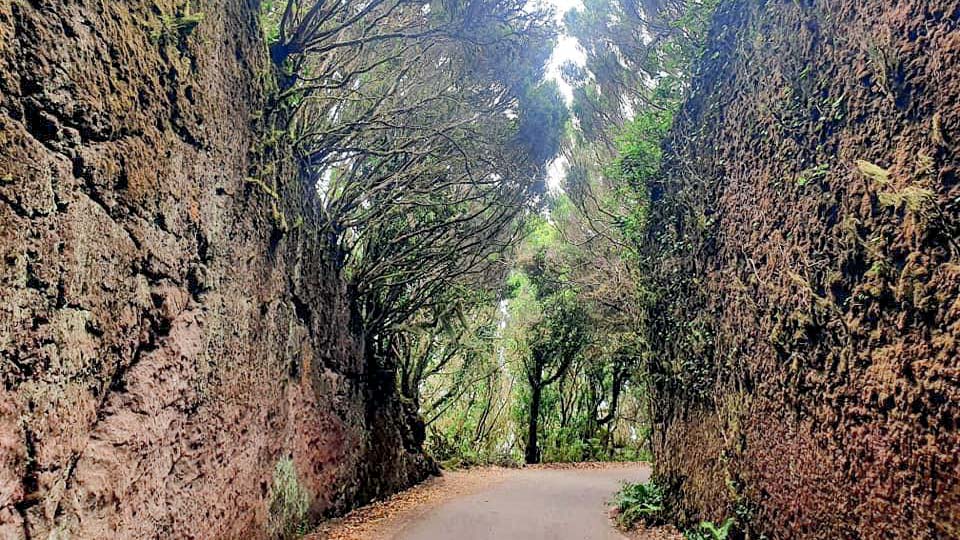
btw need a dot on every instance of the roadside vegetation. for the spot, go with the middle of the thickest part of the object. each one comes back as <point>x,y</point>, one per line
<point>643,504</point>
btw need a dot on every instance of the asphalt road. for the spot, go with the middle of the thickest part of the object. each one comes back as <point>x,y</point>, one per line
<point>530,504</point>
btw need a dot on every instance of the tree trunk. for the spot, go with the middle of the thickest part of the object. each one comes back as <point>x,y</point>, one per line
<point>533,451</point>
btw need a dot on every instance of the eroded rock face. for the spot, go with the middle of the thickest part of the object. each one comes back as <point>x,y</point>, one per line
<point>807,333</point>
<point>161,346</point>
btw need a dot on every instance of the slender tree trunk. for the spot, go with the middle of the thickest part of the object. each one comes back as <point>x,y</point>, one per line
<point>533,451</point>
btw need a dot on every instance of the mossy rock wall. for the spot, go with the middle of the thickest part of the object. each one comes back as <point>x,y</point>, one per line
<point>162,345</point>
<point>805,256</point>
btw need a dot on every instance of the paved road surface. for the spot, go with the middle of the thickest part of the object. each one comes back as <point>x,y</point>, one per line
<point>530,504</point>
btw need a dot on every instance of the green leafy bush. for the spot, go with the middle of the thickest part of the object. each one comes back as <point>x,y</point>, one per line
<point>710,531</point>
<point>639,502</point>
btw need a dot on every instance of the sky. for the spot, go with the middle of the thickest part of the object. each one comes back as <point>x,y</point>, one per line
<point>566,50</point>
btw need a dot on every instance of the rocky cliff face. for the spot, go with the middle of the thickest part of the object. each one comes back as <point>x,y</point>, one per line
<point>162,346</point>
<point>806,248</point>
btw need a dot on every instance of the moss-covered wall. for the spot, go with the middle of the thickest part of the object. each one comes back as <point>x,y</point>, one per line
<point>162,346</point>
<point>805,256</point>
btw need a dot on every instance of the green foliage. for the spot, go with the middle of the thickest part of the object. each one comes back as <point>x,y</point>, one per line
<point>541,236</point>
<point>173,28</point>
<point>639,502</point>
<point>455,373</point>
<point>710,531</point>
<point>271,11</point>
<point>549,342</point>
<point>288,502</point>
<point>812,174</point>
<point>566,359</point>
<point>426,133</point>
<point>542,120</point>
<point>639,149</point>
<point>626,108</point>
<point>464,454</point>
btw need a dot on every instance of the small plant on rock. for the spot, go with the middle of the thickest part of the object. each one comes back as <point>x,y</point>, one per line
<point>812,174</point>
<point>289,502</point>
<point>174,27</point>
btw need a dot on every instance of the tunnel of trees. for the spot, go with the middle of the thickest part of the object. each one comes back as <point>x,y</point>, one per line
<point>510,312</point>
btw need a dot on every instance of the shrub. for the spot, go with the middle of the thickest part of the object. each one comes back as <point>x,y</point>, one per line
<point>639,502</point>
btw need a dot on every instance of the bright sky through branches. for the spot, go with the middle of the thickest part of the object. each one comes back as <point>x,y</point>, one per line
<point>567,50</point>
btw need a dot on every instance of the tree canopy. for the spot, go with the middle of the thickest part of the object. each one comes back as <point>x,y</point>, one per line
<point>512,317</point>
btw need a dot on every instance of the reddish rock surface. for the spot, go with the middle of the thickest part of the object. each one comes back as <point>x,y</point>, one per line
<point>806,343</point>
<point>162,347</point>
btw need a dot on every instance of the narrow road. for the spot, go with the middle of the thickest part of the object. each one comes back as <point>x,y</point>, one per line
<point>530,504</point>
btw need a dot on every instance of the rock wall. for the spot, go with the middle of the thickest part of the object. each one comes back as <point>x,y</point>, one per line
<point>162,346</point>
<point>805,257</point>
